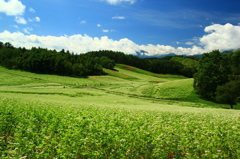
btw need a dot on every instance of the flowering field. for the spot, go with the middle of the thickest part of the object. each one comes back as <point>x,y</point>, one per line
<point>45,129</point>
<point>47,116</point>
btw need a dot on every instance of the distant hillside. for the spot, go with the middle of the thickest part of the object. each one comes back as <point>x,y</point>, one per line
<point>186,61</point>
<point>141,71</point>
<point>190,64</point>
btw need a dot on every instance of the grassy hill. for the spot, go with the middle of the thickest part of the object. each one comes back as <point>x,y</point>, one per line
<point>129,113</point>
<point>125,80</point>
<point>186,61</point>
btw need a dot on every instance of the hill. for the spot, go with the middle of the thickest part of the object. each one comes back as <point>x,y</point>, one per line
<point>125,80</point>
<point>186,61</point>
<point>130,113</point>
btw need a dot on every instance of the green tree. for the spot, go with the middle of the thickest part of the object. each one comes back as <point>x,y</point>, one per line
<point>1,44</point>
<point>78,69</point>
<point>8,45</point>
<point>229,93</point>
<point>213,71</point>
<point>235,63</point>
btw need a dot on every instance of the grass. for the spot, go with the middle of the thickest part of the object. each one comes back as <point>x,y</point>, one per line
<point>140,71</point>
<point>45,128</point>
<point>186,61</point>
<point>118,74</point>
<point>113,116</point>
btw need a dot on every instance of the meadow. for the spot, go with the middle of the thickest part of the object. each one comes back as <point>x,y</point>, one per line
<point>126,114</point>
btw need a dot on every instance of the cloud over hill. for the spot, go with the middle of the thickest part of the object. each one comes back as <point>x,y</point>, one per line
<point>222,37</point>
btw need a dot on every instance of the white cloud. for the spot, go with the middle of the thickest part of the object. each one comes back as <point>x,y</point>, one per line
<point>118,17</point>
<point>222,37</point>
<point>20,20</point>
<point>99,25</point>
<point>114,2</point>
<point>83,43</point>
<point>12,7</point>
<point>36,19</point>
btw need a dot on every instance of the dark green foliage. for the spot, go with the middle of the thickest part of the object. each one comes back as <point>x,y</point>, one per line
<point>105,62</point>
<point>213,71</point>
<point>235,63</point>
<point>229,93</point>
<point>46,61</point>
<point>190,64</point>
<point>166,66</point>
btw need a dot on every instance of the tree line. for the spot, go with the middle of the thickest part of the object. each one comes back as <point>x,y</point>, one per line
<point>218,77</point>
<point>40,60</point>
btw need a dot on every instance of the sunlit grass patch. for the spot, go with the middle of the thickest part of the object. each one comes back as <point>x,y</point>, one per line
<point>9,78</point>
<point>178,89</point>
<point>141,71</point>
<point>186,61</point>
<point>118,74</point>
<point>46,129</point>
<point>21,77</point>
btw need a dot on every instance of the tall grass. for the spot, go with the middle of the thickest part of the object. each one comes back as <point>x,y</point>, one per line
<point>40,129</point>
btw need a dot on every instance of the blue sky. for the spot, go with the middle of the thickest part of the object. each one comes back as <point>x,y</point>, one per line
<point>156,26</point>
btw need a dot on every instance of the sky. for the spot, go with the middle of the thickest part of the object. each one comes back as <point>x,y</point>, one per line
<point>155,26</point>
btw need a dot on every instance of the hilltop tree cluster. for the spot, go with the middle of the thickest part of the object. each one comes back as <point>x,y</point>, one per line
<point>218,77</point>
<point>46,61</point>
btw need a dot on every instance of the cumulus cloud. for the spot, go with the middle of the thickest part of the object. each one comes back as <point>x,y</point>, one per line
<point>20,20</point>
<point>114,2</point>
<point>12,7</point>
<point>83,43</point>
<point>118,17</point>
<point>221,37</point>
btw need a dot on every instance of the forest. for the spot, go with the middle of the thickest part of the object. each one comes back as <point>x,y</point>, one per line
<point>44,61</point>
<point>218,77</point>
<point>40,60</point>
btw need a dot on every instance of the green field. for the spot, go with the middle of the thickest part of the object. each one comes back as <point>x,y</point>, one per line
<point>129,113</point>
